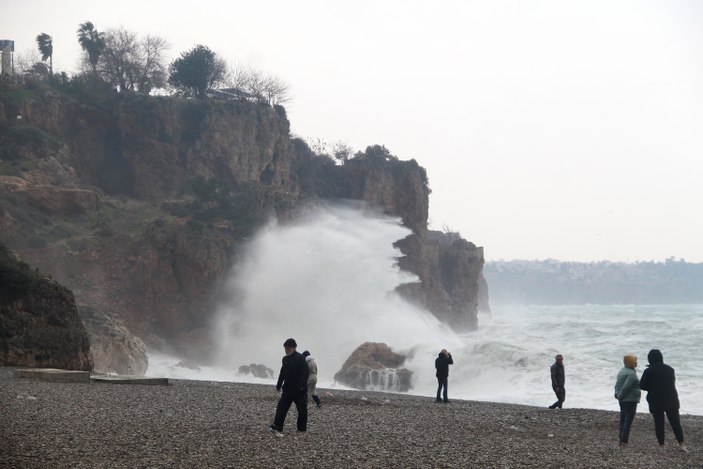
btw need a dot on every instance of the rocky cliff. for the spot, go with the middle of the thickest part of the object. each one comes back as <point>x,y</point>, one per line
<point>39,321</point>
<point>138,204</point>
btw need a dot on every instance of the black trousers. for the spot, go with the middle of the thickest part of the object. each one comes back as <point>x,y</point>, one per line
<point>301,404</point>
<point>561,397</point>
<point>442,384</point>
<point>674,420</point>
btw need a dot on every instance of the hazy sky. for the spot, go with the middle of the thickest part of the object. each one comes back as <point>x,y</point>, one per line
<point>560,129</point>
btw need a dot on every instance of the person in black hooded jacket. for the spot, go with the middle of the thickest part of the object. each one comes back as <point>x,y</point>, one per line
<point>293,385</point>
<point>659,381</point>
<point>442,363</point>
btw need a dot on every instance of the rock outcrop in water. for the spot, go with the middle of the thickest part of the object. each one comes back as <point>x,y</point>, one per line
<point>139,204</point>
<point>374,366</point>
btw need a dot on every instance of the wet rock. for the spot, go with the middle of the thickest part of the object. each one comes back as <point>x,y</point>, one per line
<point>256,370</point>
<point>374,366</point>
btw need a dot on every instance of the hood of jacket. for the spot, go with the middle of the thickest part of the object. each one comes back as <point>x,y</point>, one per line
<point>655,357</point>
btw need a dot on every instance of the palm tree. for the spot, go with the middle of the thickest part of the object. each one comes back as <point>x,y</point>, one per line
<point>46,48</point>
<point>92,41</point>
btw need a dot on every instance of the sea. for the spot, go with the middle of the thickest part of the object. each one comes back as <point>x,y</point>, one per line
<point>328,281</point>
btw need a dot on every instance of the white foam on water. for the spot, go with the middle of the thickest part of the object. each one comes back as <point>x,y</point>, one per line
<point>328,281</point>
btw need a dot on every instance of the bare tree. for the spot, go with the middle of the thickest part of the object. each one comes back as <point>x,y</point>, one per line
<point>342,152</point>
<point>153,72</point>
<point>275,91</point>
<point>129,63</point>
<point>118,62</point>
<point>26,60</point>
<point>263,88</point>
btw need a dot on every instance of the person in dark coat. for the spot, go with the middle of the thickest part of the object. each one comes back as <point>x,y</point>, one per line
<point>558,380</point>
<point>442,363</point>
<point>659,381</point>
<point>293,386</point>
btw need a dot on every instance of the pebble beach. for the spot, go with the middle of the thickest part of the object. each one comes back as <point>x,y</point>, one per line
<point>197,424</point>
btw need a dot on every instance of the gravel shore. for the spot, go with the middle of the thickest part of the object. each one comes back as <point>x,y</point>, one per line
<point>224,425</point>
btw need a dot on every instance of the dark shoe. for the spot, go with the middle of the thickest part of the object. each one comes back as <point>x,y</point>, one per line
<point>446,402</point>
<point>438,401</point>
<point>319,405</point>
<point>552,406</point>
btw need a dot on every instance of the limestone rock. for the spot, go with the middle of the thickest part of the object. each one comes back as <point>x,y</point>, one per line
<point>373,366</point>
<point>85,168</point>
<point>115,349</point>
<point>39,321</point>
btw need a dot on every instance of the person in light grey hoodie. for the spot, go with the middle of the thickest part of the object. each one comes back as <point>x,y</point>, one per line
<point>627,392</point>
<point>312,378</point>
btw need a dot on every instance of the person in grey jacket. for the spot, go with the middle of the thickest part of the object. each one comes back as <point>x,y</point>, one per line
<point>627,392</point>
<point>312,378</point>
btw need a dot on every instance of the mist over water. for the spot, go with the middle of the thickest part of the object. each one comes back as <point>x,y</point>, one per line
<point>329,280</point>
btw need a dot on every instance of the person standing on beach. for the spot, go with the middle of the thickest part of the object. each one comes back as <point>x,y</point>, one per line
<point>312,378</point>
<point>293,386</point>
<point>442,363</point>
<point>558,379</point>
<point>659,381</point>
<point>627,392</point>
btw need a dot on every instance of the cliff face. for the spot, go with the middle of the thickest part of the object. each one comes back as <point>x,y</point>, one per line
<point>449,268</point>
<point>39,321</point>
<point>148,148</point>
<point>138,204</point>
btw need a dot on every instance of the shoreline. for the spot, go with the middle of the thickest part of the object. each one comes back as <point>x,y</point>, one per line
<point>224,424</point>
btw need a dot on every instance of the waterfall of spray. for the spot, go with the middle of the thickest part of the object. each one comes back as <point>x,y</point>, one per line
<point>328,281</point>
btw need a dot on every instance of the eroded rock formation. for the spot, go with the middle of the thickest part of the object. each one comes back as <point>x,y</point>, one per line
<point>39,322</point>
<point>138,204</point>
<point>373,366</point>
<point>114,348</point>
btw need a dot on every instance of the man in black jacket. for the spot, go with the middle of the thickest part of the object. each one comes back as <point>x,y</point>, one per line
<point>659,381</point>
<point>442,363</point>
<point>293,385</point>
<point>558,380</point>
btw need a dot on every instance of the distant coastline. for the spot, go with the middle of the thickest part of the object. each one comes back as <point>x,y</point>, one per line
<point>551,282</point>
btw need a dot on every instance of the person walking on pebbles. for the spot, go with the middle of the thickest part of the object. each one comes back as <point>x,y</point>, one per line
<point>442,363</point>
<point>293,385</point>
<point>627,392</point>
<point>659,381</point>
<point>312,378</point>
<point>558,380</point>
